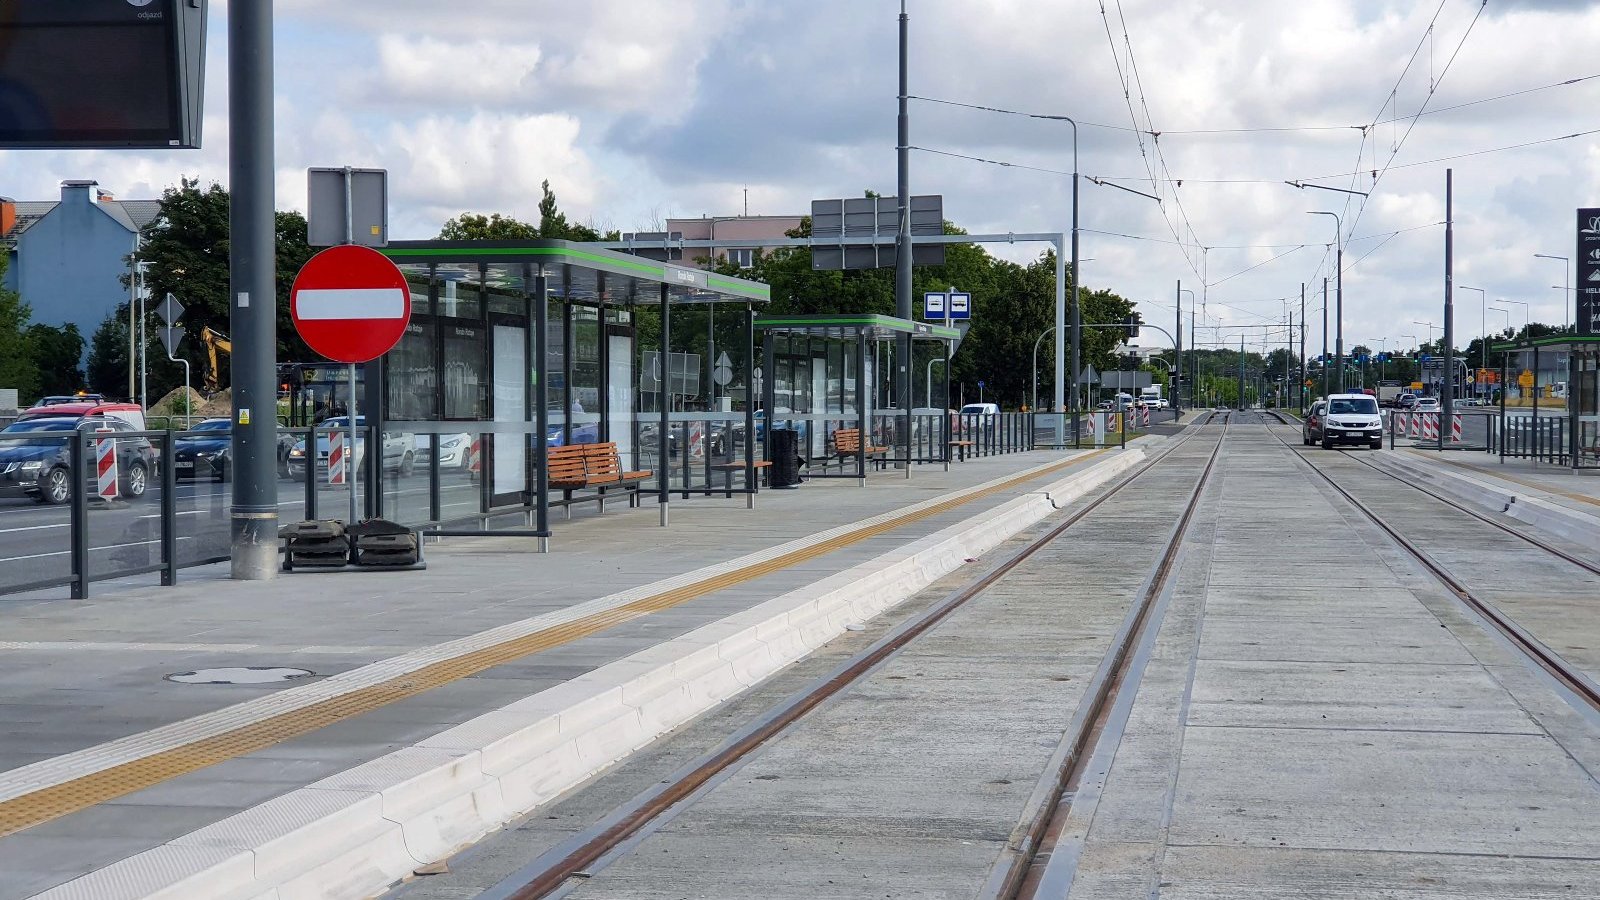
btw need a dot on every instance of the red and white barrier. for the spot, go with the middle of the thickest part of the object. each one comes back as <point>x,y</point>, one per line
<point>475,455</point>
<point>337,458</point>
<point>1430,426</point>
<point>1455,428</point>
<point>1144,416</point>
<point>105,464</point>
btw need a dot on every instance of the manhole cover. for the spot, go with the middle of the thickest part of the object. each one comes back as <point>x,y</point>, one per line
<point>239,675</point>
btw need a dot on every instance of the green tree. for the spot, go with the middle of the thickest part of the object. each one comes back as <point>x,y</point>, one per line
<point>479,227</point>
<point>17,366</point>
<point>108,353</point>
<point>56,352</point>
<point>553,225</point>
<point>187,249</point>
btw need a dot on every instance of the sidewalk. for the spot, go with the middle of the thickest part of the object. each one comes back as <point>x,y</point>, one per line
<point>109,757</point>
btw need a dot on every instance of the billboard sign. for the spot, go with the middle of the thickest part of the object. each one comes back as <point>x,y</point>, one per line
<point>102,73</point>
<point>1588,257</point>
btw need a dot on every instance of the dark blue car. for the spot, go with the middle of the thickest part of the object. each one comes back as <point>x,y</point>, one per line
<point>35,458</point>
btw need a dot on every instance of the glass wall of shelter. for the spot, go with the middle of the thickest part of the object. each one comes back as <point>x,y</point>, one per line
<point>516,349</point>
<point>824,374</point>
<point>1550,405</point>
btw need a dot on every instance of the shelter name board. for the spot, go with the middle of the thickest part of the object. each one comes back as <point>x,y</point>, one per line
<point>1588,259</point>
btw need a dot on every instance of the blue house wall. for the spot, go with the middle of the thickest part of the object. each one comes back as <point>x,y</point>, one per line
<point>68,265</point>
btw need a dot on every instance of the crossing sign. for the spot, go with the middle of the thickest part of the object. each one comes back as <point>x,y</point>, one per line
<point>350,303</point>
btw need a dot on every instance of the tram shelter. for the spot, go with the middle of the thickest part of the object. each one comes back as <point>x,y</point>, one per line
<point>518,347</point>
<point>1549,406</point>
<point>829,374</point>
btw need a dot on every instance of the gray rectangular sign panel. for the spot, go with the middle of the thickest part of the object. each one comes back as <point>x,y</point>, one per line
<point>325,214</point>
<point>876,218</point>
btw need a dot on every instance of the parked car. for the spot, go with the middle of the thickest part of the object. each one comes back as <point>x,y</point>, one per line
<point>1351,419</point>
<point>398,451</point>
<point>206,451</point>
<point>40,465</point>
<point>131,413</point>
<point>1311,428</point>
<point>455,450</point>
<point>721,436</point>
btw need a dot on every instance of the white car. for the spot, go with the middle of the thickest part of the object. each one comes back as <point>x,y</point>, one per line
<point>455,450</point>
<point>1352,419</point>
<point>1426,404</point>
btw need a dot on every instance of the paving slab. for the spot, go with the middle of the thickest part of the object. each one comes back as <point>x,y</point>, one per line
<point>93,672</point>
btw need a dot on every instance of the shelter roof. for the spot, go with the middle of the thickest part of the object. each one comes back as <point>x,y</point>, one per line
<point>848,325</point>
<point>578,271</point>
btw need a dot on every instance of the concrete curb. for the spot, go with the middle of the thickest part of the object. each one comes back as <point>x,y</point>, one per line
<point>354,833</point>
<point>1516,501</point>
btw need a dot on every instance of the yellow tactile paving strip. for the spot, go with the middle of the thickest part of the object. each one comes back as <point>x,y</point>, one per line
<point>53,802</point>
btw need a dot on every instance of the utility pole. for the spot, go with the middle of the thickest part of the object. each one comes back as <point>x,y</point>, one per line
<point>1177,350</point>
<point>1447,395</point>
<point>902,257</point>
<point>253,294</point>
<point>1324,338</point>
<point>1300,385</point>
<point>1241,373</point>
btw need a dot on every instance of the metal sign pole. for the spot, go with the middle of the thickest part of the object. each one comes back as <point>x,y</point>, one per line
<point>350,468</point>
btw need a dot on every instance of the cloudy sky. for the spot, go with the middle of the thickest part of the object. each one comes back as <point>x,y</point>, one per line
<point>637,110</point>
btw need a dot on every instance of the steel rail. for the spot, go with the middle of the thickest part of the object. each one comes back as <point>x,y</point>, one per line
<point>1558,668</point>
<point>1027,869</point>
<point>581,855</point>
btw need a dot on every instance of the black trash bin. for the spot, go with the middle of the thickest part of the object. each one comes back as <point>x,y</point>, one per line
<point>785,459</point>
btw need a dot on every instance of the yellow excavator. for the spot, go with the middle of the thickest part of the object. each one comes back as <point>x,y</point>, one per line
<point>215,342</point>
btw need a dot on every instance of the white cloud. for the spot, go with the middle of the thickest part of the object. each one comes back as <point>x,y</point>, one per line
<point>639,109</point>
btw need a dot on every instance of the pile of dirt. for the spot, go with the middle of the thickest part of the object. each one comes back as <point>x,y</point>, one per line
<point>173,403</point>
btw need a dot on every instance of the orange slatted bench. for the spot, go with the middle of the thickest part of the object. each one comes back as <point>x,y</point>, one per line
<point>591,466</point>
<point>847,443</point>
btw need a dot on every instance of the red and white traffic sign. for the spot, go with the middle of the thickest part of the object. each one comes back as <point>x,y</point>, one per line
<point>350,303</point>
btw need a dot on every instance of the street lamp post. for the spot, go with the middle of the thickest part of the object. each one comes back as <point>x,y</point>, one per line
<point>1566,278</point>
<point>1483,325</point>
<point>1527,313</point>
<point>1430,325</point>
<point>1035,370</point>
<point>1338,303</point>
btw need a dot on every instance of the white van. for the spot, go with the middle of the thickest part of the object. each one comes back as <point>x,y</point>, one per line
<point>986,410</point>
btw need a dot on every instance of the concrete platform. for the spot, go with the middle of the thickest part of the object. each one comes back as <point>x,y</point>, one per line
<point>441,703</point>
<point>1353,734</point>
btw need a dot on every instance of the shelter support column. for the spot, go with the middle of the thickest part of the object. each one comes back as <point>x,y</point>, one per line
<point>541,411</point>
<point>663,460</point>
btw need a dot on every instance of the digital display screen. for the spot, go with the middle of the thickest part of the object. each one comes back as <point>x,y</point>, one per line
<point>89,72</point>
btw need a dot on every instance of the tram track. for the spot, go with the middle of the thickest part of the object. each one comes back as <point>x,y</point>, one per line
<point>566,866</point>
<point>1583,688</point>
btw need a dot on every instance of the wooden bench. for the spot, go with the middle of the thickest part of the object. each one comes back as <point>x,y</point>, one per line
<point>591,466</point>
<point>847,443</point>
<point>961,448</point>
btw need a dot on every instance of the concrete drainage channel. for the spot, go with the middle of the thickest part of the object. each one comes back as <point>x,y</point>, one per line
<point>356,832</point>
<point>240,675</point>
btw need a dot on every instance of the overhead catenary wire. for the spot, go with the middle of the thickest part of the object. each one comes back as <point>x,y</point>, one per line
<point>1273,129</point>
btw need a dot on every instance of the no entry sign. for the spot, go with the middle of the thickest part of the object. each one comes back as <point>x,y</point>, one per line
<point>350,303</point>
